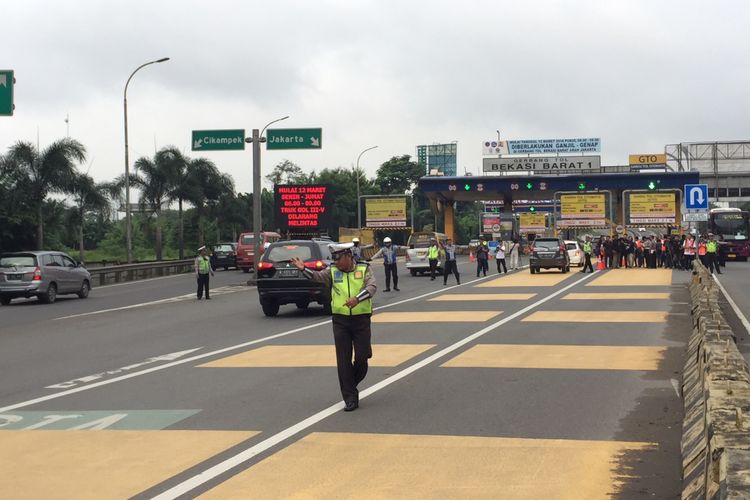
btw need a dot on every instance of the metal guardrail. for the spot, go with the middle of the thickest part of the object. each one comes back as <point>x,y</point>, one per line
<point>144,270</point>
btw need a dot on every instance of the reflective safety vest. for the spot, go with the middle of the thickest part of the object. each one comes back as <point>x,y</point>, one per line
<point>711,246</point>
<point>204,265</point>
<point>433,252</point>
<point>701,249</point>
<point>587,247</point>
<point>345,285</point>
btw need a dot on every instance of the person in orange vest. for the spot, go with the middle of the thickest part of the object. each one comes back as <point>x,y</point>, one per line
<point>702,251</point>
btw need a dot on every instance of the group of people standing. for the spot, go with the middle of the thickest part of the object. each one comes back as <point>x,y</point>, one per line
<point>484,251</point>
<point>667,252</point>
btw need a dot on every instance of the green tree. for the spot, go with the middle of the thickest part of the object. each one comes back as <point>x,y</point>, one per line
<point>154,178</point>
<point>285,172</point>
<point>89,196</point>
<point>398,175</point>
<point>40,173</point>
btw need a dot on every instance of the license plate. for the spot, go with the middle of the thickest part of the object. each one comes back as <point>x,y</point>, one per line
<point>288,273</point>
<point>732,255</point>
<point>14,277</point>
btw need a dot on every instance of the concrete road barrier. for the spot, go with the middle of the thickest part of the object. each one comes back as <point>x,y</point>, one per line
<point>716,395</point>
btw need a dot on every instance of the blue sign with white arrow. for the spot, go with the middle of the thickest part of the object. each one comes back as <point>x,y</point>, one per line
<point>696,196</point>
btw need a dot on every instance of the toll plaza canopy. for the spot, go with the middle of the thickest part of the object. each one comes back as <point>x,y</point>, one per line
<point>443,191</point>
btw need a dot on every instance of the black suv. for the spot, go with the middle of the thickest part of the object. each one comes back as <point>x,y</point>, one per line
<point>224,255</point>
<point>279,282</point>
<point>547,253</point>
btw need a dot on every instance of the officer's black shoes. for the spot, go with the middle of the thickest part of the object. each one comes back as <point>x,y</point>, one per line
<point>387,290</point>
<point>397,289</point>
<point>351,406</point>
<point>208,298</point>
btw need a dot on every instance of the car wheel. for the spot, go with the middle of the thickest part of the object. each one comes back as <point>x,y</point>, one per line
<point>270,308</point>
<point>413,272</point>
<point>245,269</point>
<point>302,305</point>
<point>226,268</point>
<point>50,296</point>
<point>5,300</point>
<point>85,288</point>
<point>531,270</point>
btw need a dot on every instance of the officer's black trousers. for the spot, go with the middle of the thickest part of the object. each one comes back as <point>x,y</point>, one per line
<point>390,270</point>
<point>587,263</point>
<point>451,267</point>
<point>202,284</point>
<point>351,334</point>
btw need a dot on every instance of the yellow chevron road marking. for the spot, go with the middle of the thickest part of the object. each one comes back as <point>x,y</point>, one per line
<point>101,464</point>
<point>314,355</point>
<point>633,277</point>
<point>434,317</point>
<point>526,279</point>
<point>342,465</point>
<point>457,297</point>
<point>598,316</point>
<point>617,296</point>
<point>559,357</point>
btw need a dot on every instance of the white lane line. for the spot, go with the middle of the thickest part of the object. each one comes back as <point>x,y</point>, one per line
<point>179,298</point>
<point>732,303</point>
<point>135,282</point>
<point>247,454</point>
<point>207,355</point>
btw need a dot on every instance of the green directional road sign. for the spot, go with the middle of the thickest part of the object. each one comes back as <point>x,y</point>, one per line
<point>218,140</point>
<point>6,92</point>
<point>294,138</point>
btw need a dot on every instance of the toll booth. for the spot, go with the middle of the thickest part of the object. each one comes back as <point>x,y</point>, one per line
<point>568,202</point>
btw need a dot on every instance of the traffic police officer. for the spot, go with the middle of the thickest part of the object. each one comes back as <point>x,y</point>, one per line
<point>356,250</point>
<point>352,287</point>
<point>389,252</point>
<point>587,250</point>
<point>202,270</point>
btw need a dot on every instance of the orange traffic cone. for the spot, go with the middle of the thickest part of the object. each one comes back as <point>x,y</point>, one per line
<point>472,258</point>
<point>600,265</point>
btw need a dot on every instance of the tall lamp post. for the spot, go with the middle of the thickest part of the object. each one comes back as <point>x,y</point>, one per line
<point>256,139</point>
<point>359,208</point>
<point>128,228</point>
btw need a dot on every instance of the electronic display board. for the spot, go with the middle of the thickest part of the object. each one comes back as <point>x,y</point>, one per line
<point>303,208</point>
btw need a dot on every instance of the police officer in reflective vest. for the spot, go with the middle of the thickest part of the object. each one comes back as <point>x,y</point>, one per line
<point>587,250</point>
<point>433,254</point>
<point>352,288</point>
<point>712,256</point>
<point>389,252</point>
<point>202,270</point>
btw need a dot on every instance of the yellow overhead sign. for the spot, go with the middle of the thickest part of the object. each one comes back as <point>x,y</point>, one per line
<point>533,221</point>
<point>648,208</point>
<point>582,206</point>
<point>652,159</point>
<point>385,212</point>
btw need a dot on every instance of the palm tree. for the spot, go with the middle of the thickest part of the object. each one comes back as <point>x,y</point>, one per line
<point>206,187</point>
<point>89,196</point>
<point>181,186</point>
<point>44,172</point>
<point>154,179</point>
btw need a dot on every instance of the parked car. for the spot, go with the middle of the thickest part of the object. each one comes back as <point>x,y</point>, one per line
<point>575,252</point>
<point>548,253</point>
<point>416,252</point>
<point>280,282</point>
<point>224,255</point>
<point>41,274</point>
<point>246,249</point>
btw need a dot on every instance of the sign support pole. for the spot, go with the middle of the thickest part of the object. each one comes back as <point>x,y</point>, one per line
<point>256,197</point>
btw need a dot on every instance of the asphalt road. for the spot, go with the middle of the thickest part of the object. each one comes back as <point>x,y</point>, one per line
<point>518,386</point>
<point>736,307</point>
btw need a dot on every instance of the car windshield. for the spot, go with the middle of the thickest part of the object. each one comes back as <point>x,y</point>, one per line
<point>223,248</point>
<point>570,246</point>
<point>281,253</point>
<point>247,240</point>
<point>18,261</point>
<point>547,244</point>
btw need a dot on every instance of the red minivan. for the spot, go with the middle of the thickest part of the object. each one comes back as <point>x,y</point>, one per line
<point>245,248</point>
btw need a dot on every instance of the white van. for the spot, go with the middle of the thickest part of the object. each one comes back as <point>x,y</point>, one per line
<point>416,252</point>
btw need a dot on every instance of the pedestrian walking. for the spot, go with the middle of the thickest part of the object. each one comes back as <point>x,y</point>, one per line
<point>433,254</point>
<point>483,254</point>
<point>500,257</point>
<point>514,253</point>
<point>389,252</point>
<point>587,250</point>
<point>450,262</point>
<point>202,270</point>
<point>352,287</point>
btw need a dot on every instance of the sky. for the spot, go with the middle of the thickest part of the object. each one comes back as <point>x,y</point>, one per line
<point>638,74</point>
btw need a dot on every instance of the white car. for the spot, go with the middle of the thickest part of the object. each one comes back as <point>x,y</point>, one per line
<point>574,252</point>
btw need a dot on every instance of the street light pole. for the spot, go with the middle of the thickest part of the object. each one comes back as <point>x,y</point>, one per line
<point>359,208</point>
<point>128,228</point>
<point>256,139</point>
